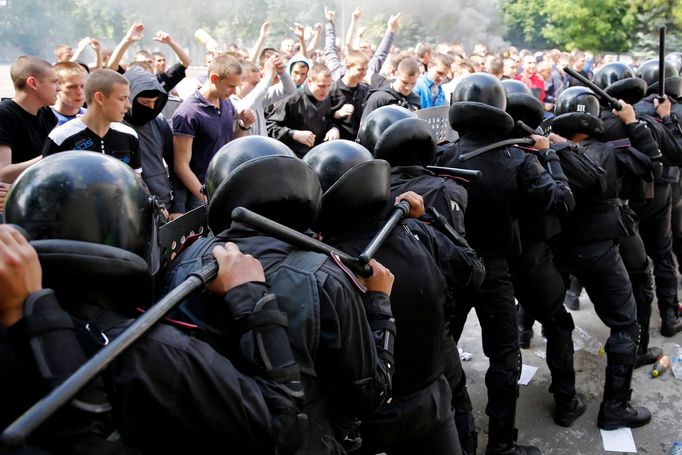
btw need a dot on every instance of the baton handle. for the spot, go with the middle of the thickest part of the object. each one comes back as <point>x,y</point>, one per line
<point>400,211</point>
<point>661,63</point>
<point>299,240</point>
<point>17,432</point>
<point>611,101</point>
<point>456,172</point>
<point>524,127</point>
<point>442,223</point>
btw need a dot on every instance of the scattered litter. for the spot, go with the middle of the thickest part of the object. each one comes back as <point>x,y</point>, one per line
<point>541,354</point>
<point>527,373</point>
<point>584,340</point>
<point>464,356</point>
<point>619,440</point>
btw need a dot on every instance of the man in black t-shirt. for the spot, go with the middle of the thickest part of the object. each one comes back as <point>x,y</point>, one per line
<point>99,129</point>
<point>26,119</point>
<point>399,92</point>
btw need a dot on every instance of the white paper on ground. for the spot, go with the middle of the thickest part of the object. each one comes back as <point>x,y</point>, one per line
<point>619,440</point>
<point>527,373</point>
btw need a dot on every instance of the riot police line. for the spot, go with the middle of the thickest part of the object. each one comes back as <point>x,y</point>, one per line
<point>287,351</point>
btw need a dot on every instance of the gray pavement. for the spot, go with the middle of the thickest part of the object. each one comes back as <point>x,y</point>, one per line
<point>663,395</point>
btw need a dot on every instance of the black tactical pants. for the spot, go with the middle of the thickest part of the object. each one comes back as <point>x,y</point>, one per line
<point>656,232</point>
<point>539,289</point>
<point>600,269</point>
<point>421,422</point>
<point>494,304</point>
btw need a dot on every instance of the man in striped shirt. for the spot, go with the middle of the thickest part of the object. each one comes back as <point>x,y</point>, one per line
<point>100,128</point>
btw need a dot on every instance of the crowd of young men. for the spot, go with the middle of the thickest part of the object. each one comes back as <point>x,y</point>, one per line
<point>291,350</point>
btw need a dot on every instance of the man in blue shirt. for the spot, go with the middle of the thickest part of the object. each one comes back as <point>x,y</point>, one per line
<point>428,86</point>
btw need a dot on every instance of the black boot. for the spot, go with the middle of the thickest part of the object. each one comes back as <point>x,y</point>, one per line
<point>614,414</point>
<point>525,335</point>
<point>671,323</point>
<point>616,411</point>
<point>469,443</point>
<point>645,354</point>
<point>502,440</point>
<point>568,409</point>
<point>648,357</point>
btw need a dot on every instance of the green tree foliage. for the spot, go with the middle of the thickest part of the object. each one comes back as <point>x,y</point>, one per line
<point>651,15</point>
<point>604,25</point>
<point>28,25</point>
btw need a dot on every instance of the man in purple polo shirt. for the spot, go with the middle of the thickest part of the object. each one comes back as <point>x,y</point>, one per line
<point>205,122</point>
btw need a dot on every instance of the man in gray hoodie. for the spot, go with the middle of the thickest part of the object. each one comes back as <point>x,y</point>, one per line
<point>148,99</point>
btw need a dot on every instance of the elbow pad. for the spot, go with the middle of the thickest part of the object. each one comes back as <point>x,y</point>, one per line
<point>553,165</point>
<point>381,321</point>
<point>263,340</point>
<point>57,350</point>
<point>641,136</point>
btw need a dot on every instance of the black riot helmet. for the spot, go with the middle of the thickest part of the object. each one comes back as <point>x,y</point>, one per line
<point>612,72</point>
<point>89,216</point>
<point>577,111</point>
<point>522,104</point>
<point>478,104</point>
<point>649,72</point>
<point>356,186</point>
<point>394,134</point>
<point>263,175</point>
<point>618,80</point>
<point>512,86</point>
<point>675,58</point>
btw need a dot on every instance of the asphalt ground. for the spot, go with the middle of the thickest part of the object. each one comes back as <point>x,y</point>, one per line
<point>662,395</point>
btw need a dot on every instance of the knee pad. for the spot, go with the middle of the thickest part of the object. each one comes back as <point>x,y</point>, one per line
<point>504,371</point>
<point>643,275</point>
<point>621,346</point>
<point>561,325</point>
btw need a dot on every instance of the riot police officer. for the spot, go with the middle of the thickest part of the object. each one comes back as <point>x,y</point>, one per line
<point>587,248</point>
<point>511,177</point>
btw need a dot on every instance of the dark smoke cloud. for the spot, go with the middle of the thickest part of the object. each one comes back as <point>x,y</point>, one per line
<point>465,21</point>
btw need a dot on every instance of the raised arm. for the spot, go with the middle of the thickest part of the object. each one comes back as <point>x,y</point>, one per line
<point>299,31</point>
<point>97,47</point>
<point>183,56</point>
<point>331,57</point>
<point>377,60</point>
<point>355,18</point>
<point>317,31</point>
<point>134,34</point>
<point>262,36</point>
<point>82,45</point>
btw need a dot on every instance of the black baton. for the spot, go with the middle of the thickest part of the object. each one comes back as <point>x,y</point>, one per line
<point>297,239</point>
<point>524,127</point>
<point>611,101</point>
<point>471,174</point>
<point>445,227</point>
<point>661,64</point>
<point>17,432</point>
<point>496,145</point>
<point>401,210</point>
